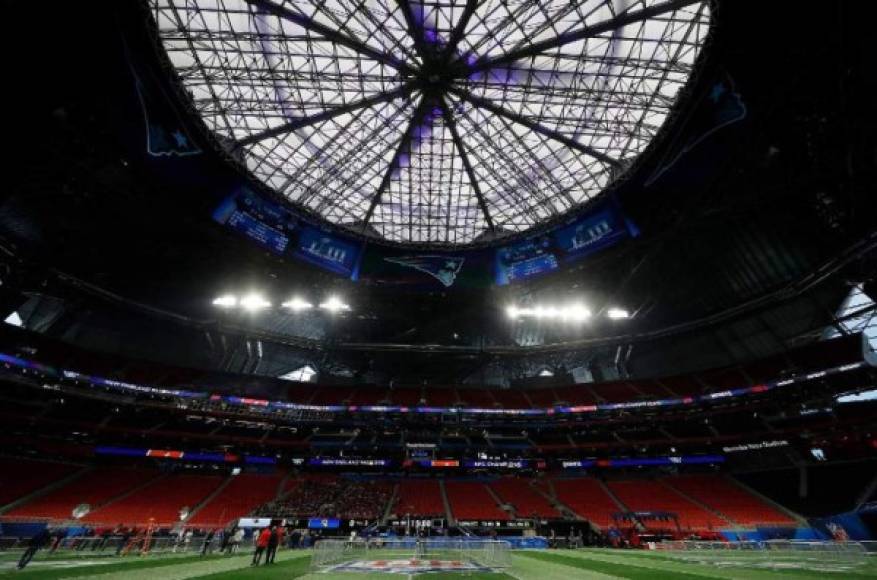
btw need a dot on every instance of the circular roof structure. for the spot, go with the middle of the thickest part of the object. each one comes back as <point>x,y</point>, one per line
<point>440,122</point>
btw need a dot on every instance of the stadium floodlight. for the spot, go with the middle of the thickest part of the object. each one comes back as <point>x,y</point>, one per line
<point>334,304</point>
<point>575,313</point>
<point>617,313</point>
<point>297,303</point>
<point>226,301</point>
<point>254,302</point>
<point>569,313</point>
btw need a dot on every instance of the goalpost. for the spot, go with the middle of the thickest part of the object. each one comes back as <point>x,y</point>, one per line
<point>446,553</point>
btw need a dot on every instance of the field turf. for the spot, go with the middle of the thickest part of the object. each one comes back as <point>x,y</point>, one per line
<point>527,565</point>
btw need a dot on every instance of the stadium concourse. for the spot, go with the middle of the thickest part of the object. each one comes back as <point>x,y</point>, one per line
<point>526,289</point>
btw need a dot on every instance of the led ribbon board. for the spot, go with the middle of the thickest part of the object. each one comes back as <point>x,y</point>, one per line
<point>26,365</point>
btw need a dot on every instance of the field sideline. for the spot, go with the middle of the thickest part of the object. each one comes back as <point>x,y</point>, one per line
<point>527,565</point>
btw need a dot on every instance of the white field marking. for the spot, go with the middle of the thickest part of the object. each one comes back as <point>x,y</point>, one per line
<point>58,564</point>
<point>674,565</point>
<point>524,568</point>
<point>189,569</point>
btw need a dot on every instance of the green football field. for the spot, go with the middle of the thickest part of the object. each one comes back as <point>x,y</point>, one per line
<point>526,565</point>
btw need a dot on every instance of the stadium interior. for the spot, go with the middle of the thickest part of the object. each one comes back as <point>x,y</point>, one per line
<point>496,288</point>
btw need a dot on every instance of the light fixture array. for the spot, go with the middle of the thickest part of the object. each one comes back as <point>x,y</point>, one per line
<point>254,302</point>
<point>576,312</point>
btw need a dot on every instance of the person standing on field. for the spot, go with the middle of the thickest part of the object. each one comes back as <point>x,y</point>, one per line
<point>272,545</point>
<point>261,545</point>
<point>275,542</point>
<point>42,538</point>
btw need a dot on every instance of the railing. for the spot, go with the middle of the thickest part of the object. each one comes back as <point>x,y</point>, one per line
<point>115,545</point>
<point>492,554</point>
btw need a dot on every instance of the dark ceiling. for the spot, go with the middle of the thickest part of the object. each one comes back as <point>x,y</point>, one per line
<point>767,220</point>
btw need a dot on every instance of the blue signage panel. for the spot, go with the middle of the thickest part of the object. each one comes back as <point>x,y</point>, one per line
<point>526,259</point>
<point>545,253</point>
<point>261,220</point>
<point>324,523</point>
<point>327,251</point>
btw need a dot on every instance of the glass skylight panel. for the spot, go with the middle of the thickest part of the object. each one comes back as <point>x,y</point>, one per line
<point>857,313</point>
<point>434,122</point>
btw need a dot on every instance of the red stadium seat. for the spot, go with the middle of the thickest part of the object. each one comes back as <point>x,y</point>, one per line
<point>647,495</point>
<point>512,399</point>
<point>21,477</point>
<point>242,495</point>
<point>470,500</point>
<point>94,488</point>
<point>586,497</point>
<point>160,500</point>
<point>441,397</point>
<point>421,498</point>
<point>729,499</point>
<point>406,397</point>
<point>477,398</point>
<point>526,500</point>
<point>542,398</point>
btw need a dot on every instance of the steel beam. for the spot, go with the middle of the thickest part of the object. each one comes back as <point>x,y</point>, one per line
<point>461,149</point>
<point>324,116</point>
<point>415,29</point>
<point>459,29</point>
<point>534,126</point>
<point>618,21</point>
<point>416,118</point>
<point>270,7</point>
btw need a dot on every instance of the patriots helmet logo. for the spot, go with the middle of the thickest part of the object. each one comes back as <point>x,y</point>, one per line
<point>442,268</point>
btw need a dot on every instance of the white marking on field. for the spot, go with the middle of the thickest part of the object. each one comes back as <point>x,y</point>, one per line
<point>188,569</point>
<point>58,564</point>
<point>408,566</point>
<point>730,569</point>
<point>528,568</point>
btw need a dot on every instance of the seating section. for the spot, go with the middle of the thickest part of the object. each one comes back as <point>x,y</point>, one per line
<point>542,397</point>
<point>617,392</point>
<point>94,488</point>
<point>242,495</point>
<point>365,500</point>
<point>512,399</point>
<point>703,502</point>
<point>331,396</point>
<point>526,501</point>
<point>586,497</point>
<point>161,500</point>
<point>421,498</point>
<point>441,397</point>
<point>21,477</point>
<point>653,496</point>
<point>470,500</point>
<point>408,397</point>
<point>309,496</point>
<point>369,396</point>
<point>575,395</point>
<point>478,398</point>
<point>325,495</point>
<point>729,499</point>
<point>815,356</point>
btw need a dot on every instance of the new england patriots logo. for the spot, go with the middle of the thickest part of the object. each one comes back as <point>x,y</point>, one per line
<point>442,268</point>
<point>723,106</point>
<point>165,135</point>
